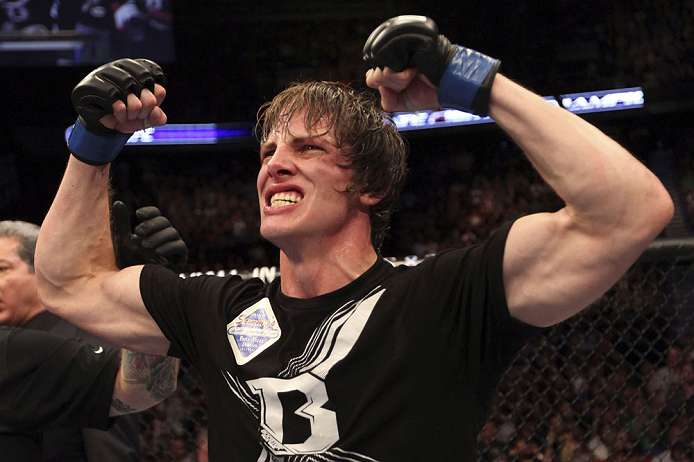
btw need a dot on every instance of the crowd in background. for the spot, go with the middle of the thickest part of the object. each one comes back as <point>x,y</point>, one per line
<point>460,188</point>
<point>552,46</point>
<point>448,202</point>
<point>653,41</point>
<point>616,383</point>
<point>613,384</point>
<point>623,44</point>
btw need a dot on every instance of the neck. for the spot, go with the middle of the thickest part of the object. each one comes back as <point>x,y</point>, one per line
<point>318,263</point>
<point>306,275</point>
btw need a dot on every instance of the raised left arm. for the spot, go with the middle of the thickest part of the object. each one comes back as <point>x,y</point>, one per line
<point>555,264</point>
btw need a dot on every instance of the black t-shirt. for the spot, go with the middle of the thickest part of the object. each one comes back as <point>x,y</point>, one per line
<point>401,364</point>
<point>47,381</point>
<point>120,443</point>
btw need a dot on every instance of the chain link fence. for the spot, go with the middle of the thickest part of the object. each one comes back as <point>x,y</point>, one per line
<point>614,383</point>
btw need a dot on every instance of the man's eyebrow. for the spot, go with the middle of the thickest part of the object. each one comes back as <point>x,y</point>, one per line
<point>267,144</point>
<point>299,140</point>
<point>313,139</point>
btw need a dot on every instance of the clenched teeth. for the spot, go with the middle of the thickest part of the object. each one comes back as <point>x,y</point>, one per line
<point>284,198</point>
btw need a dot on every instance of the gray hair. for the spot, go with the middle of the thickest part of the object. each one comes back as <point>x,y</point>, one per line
<point>26,234</point>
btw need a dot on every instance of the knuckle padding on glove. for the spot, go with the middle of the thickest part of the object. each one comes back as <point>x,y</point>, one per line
<point>398,52</point>
<point>463,77</point>
<point>94,96</point>
<point>156,74</point>
<point>408,41</point>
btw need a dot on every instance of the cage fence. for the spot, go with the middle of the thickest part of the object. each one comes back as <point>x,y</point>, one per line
<point>613,383</point>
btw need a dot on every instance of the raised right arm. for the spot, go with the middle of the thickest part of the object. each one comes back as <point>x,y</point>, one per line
<point>75,265</point>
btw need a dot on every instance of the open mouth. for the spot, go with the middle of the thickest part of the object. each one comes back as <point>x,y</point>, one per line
<point>285,198</point>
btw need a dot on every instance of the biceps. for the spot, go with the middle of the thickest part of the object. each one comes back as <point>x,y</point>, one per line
<point>109,305</point>
<point>553,269</point>
<point>131,325</point>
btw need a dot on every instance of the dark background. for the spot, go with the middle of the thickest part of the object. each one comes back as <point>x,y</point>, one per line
<point>231,56</point>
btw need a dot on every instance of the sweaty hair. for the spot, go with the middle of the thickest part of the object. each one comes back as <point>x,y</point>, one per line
<point>26,234</point>
<point>367,137</point>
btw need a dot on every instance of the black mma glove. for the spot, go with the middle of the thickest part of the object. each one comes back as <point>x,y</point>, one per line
<point>154,240</point>
<point>93,98</point>
<point>463,76</point>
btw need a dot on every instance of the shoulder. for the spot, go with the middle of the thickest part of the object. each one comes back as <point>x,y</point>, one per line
<point>163,288</point>
<point>458,261</point>
<point>157,279</point>
<point>157,274</point>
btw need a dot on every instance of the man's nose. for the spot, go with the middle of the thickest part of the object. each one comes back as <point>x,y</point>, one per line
<point>282,161</point>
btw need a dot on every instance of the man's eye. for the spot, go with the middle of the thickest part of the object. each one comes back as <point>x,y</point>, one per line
<point>266,154</point>
<point>312,147</point>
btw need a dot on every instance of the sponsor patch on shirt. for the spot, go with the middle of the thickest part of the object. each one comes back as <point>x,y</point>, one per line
<point>253,331</point>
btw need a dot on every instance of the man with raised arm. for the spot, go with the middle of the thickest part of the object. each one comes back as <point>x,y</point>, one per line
<point>345,357</point>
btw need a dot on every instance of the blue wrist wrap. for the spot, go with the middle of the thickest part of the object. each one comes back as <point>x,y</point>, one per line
<point>95,149</point>
<point>462,79</point>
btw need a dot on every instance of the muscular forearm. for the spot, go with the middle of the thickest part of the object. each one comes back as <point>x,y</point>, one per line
<point>143,380</point>
<point>75,239</point>
<point>599,180</point>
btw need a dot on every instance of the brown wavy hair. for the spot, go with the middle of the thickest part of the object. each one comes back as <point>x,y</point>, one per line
<point>368,138</point>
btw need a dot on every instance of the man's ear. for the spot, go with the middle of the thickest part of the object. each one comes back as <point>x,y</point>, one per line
<point>371,198</point>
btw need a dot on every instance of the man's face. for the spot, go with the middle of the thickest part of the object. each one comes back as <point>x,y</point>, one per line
<point>301,187</point>
<point>18,298</point>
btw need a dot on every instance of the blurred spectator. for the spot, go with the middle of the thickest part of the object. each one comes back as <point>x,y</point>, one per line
<point>676,442</point>
<point>664,380</point>
<point>682,398</point>
<point>489,445</point>
<point>599,444</point>
<point>201,441</point>
<point>179,450</point>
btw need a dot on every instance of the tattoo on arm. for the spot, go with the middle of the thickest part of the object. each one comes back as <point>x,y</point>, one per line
<point>156,373</point>
<point>120,406</point>
<point>161,381</point>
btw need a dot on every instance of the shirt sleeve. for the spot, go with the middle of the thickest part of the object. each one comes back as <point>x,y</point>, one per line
<point>472,280</point>
<point>48,381</point>
<point>188,311</point>
<point>166,297</point>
